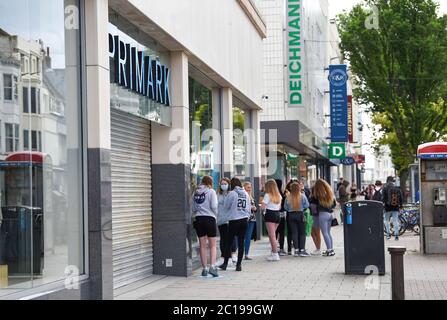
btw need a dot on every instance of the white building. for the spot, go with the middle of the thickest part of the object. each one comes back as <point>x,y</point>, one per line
<point>302,131</point>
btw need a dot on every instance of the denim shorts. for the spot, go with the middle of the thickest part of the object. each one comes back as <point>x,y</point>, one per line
<point>272,216</point>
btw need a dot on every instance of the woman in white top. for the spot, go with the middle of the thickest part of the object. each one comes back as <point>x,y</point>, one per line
<point>272,204</point>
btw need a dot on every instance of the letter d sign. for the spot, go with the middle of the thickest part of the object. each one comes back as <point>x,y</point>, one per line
<point>337,151</point>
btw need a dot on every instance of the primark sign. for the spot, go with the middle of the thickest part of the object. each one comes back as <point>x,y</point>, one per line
<point>138,72</point>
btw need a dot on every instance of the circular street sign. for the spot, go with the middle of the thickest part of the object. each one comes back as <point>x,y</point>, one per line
<point>348,161</point>
<point>338,78</point>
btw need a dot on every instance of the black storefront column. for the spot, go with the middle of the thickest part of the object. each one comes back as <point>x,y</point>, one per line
<point>171,180</point>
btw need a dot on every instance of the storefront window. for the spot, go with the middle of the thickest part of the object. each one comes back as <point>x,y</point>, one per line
<point>139,72</point>
<point>240,143</point>
<point>203,161</point>
<point>41,217</point>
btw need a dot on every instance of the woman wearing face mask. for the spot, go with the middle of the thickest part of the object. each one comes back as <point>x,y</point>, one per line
<point>222,217</point>
<point>238,205</point>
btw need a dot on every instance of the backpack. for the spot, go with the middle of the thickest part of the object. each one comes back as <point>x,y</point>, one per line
<point>377,195</point>
<point>393,197</point>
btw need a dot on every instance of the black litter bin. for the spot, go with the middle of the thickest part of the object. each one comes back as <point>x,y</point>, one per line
<point>363,237</point>
<point>22,240</point>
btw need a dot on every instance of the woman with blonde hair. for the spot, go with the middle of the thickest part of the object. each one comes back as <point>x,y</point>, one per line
<point>324,199</point>
<point>251,220</point>
<point>272,204</point>
<point>295,204</point>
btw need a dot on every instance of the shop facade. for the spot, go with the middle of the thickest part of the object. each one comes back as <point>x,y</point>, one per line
<point>108,123</point>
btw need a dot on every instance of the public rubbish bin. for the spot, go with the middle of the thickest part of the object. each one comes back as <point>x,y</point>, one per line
<point>363,237</point>
<point>22,240</point>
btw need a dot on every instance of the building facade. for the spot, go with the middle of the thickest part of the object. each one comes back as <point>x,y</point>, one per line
<point>301,131</point>
<point>111,113</point>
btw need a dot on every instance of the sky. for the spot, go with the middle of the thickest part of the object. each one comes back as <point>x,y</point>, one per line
<point>337,6</point>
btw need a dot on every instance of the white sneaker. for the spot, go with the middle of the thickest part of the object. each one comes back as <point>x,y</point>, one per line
<point>274,257</point>
<point>316,253</point>
<point>234,258</point>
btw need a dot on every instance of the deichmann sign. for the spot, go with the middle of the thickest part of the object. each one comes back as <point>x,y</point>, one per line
<point>139,73</point>
<point>337,151</point>
<point>338,78</point>
<point>294,51</point>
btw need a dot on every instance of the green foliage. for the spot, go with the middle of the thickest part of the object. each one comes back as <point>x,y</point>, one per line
<point>238,119</point>
<point>400,72</point>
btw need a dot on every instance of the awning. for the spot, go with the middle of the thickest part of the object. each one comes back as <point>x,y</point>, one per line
<point>288,134</point>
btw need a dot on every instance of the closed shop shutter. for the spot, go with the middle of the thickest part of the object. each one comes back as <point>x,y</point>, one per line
<point>131,199</point>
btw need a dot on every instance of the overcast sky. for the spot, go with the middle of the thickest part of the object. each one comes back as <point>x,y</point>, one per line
<point>337,6</point>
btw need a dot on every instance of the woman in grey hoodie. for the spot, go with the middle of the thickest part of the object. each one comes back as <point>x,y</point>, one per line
<point>237,204</point>
<point>222,216</point>
<point>204,205</point>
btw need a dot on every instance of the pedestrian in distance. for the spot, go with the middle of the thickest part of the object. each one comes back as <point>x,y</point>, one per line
<point>223,216</point>
<point>378,191</point>
<point>251,220</point>
<point>393,201</point>
<point>369,192</point>
<point>281,230</point>
<point>237,204</point>
<point>353,192</point>
<point>343,195</point>
<point>324,200</point>
<point>295,204</point>
<point>204,207</point>
<point>271,202</point>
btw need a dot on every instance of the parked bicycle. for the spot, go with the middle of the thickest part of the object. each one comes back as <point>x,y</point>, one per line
<point>409,219</point>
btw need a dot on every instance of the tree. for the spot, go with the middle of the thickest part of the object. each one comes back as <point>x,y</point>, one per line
<point>400,72</point>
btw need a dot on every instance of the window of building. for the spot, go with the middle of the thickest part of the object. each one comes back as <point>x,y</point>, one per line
<point>26,140</point>
<point>25,100</point>
<point>156,109</point>
<point>7,87</point>
<point>35,100</point>
<point>239,143</point>
<point>11,137</point>
<point>47,192</point>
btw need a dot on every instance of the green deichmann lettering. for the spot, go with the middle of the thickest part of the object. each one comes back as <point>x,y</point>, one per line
<point>294,54</point>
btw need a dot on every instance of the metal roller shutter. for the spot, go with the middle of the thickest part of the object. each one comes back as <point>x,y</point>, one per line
<point>131,199</point>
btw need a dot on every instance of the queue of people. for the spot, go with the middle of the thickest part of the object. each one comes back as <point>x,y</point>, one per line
<point>232,210</point>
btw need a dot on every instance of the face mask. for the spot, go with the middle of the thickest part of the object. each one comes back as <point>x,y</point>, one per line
<point>224,187</point>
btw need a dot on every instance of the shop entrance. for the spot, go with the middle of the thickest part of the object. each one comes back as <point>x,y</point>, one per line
<point>131,198</point>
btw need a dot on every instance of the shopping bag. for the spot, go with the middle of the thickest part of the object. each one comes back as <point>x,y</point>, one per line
<point>309,221</point>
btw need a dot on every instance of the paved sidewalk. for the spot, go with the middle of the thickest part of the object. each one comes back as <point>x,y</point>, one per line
<point>312,278</point>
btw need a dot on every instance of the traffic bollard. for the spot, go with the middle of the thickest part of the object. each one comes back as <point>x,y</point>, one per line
<point>397,272</point>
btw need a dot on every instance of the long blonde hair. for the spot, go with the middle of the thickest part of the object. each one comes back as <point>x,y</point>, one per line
<point>323,192</point>
<point>294,197</point>
<point>271,188</point>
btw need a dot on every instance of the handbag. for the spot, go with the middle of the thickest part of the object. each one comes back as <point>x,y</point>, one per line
<point>334,222</point>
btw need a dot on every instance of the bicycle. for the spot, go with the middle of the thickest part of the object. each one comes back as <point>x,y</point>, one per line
<point>411,216</point>
<point>409,219</point>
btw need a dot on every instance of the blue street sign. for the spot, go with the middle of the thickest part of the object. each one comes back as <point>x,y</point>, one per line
<point>348,161</point>
<point>338,79</point>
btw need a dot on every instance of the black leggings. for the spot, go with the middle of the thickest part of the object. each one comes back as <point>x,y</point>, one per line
<point>297,229</point>
<point>281,232</point>
<point>223,232</point>
<point>236,228</point>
